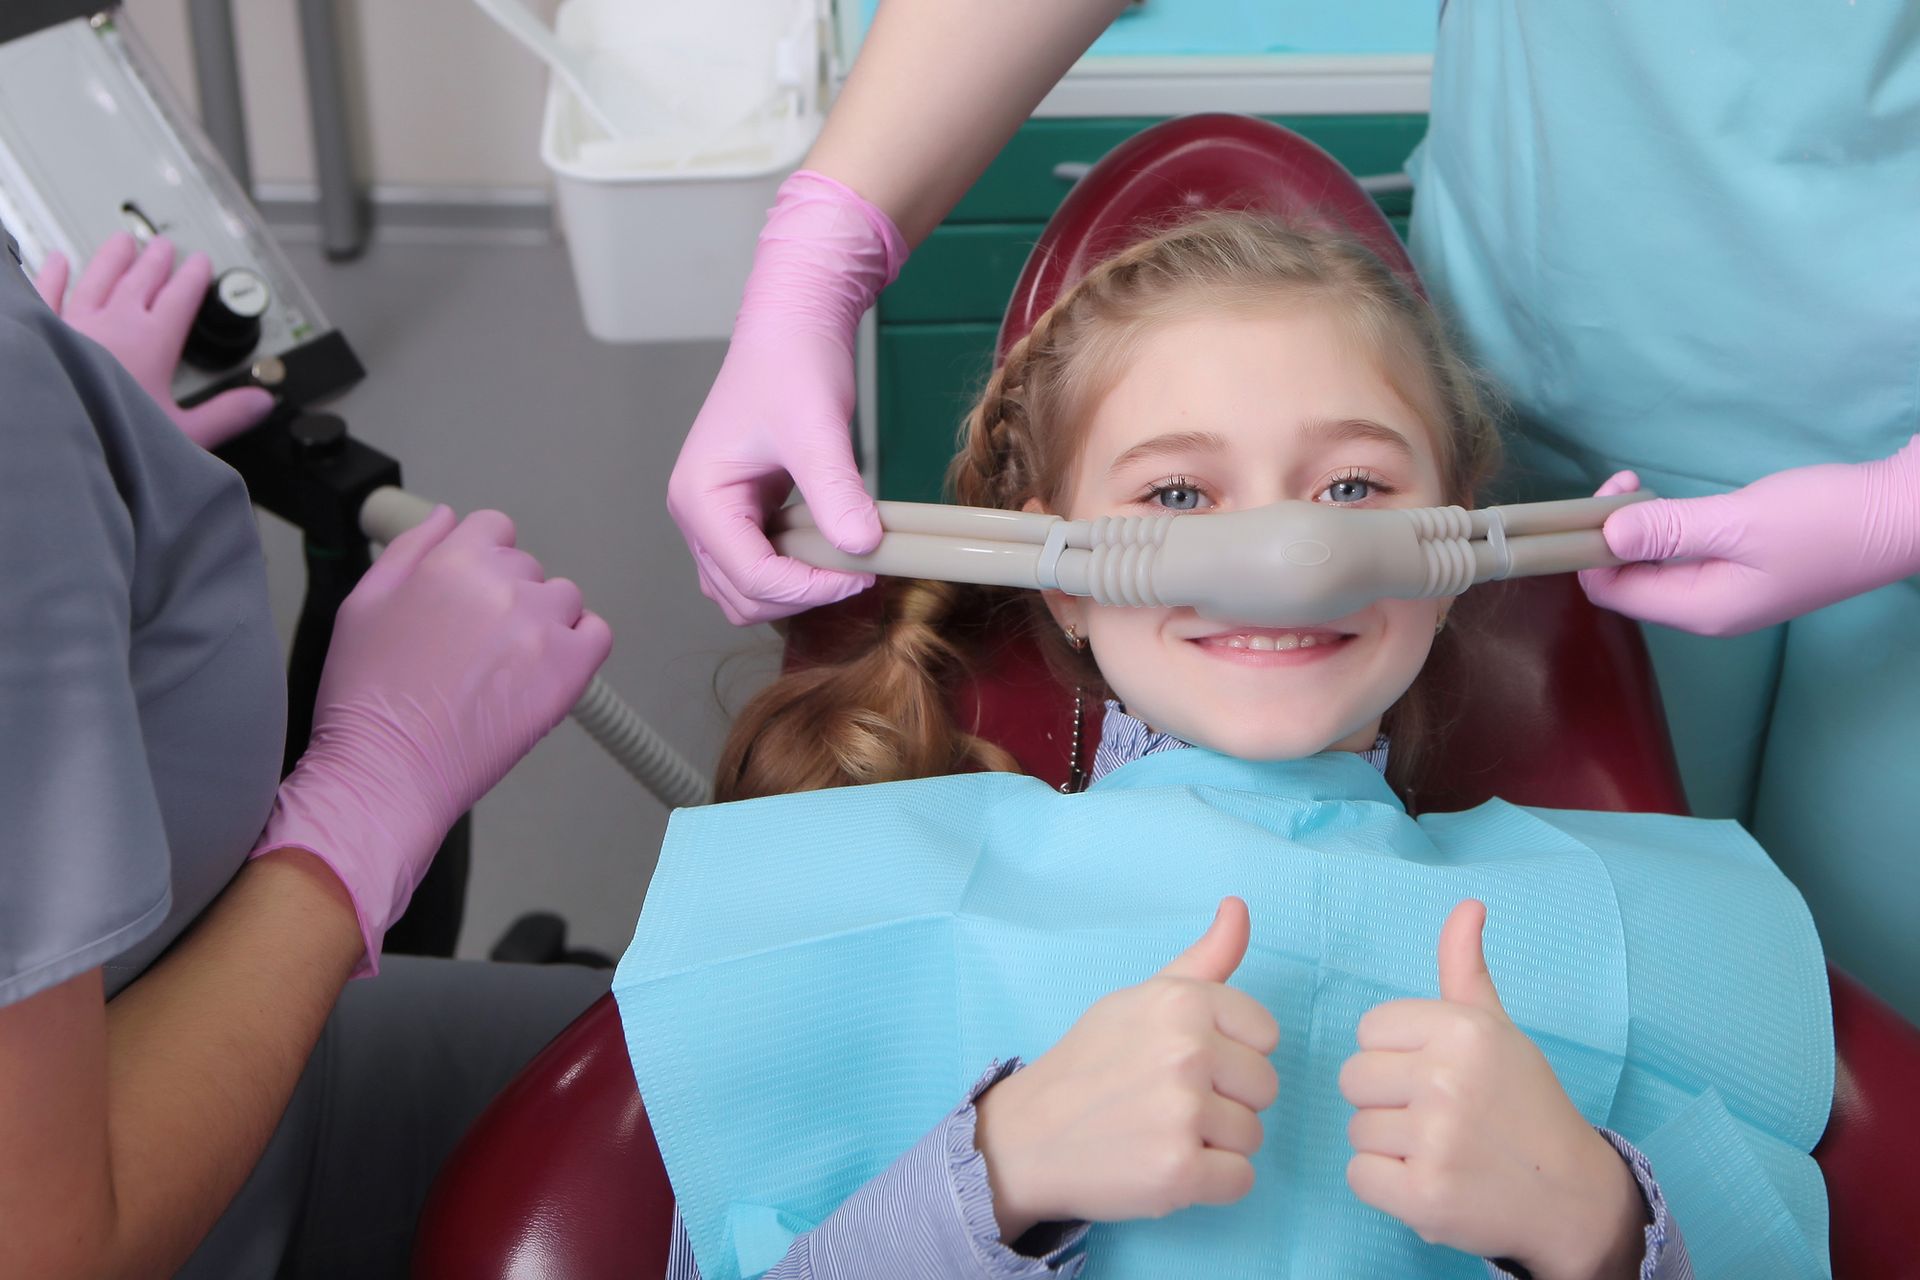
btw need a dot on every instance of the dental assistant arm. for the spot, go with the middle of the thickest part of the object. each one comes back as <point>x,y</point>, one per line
<point>126,1127</point>
<point>1787,544</point>
<point>938,89</point>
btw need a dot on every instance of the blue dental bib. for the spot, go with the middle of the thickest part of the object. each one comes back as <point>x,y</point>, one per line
<point>816,980</point>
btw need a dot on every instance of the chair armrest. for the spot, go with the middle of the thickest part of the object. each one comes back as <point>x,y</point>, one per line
<point>1872,1138</point>
<point>559,1176</point>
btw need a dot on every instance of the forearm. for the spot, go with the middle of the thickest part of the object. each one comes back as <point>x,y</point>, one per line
<point>939,88</point>
<point>204,1050</point>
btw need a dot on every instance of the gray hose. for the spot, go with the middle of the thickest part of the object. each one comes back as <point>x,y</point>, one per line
<point>643,753</point>
<point>654,764</point>
<point>1290,563</point>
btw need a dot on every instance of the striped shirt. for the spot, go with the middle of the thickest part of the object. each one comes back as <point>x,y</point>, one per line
<point>930,1213</point>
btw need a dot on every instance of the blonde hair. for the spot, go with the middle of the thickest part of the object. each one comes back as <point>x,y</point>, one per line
<point>882,713</point>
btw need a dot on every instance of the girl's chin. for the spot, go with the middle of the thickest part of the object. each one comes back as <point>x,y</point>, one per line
<point>1250,743</point>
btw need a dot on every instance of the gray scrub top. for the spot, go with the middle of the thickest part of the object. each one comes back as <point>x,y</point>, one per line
<point>142,704</point>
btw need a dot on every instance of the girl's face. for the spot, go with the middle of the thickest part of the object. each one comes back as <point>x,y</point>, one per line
<point>1238,409</point>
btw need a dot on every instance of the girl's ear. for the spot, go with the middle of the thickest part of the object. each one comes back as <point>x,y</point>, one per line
<point>1068,611</point>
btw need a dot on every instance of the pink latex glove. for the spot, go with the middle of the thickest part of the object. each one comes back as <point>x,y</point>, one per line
<point>450,660</point>
<point>133,303</point>
<point>1787,544</point>
<point>781,405</point>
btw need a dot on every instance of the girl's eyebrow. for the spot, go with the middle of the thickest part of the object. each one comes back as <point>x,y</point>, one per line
<point>1347,430</point>
<point>1171,442</point>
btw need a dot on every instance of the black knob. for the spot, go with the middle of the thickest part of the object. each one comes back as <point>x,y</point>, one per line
<point>227,329</point>
<point>317,436</point>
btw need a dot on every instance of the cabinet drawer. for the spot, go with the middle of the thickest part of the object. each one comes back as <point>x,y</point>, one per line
<point>1022,185</point>
<point>960,273</point>
<point>928,376</point>
<point>966,274</point>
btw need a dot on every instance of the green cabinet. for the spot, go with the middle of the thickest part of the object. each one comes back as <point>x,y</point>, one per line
<point>938,322</point>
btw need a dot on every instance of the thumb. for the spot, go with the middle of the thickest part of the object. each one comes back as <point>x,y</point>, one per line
<point>1220,949</point>
<point>220,419</point>
<point>1619,482</point>
<point>1669,528</point>
<point>404,554</point>
<point>1463,966</point>
<point>840,503</point>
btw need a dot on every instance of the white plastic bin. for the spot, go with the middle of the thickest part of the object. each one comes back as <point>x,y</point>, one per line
<point>661,250</point>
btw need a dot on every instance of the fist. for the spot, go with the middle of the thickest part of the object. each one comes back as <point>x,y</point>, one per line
<point>1463,1132</point>
<point>1147,1105</point>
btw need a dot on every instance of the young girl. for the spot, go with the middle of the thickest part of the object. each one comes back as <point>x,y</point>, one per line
<point>817,976</point>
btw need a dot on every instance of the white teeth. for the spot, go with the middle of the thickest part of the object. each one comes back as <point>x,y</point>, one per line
<point>1268,643</point>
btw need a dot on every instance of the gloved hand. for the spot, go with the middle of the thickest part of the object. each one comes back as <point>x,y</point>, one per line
<point>450,660</point>
<point>134,303</point>
<point>1785,545</point>
<point>1464,1133</point>
<point>781,405</point>
<point>1147,1105</point>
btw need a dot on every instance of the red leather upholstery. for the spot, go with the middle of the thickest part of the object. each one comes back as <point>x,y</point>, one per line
<point>561,1178</point>
<point>1214,162</point>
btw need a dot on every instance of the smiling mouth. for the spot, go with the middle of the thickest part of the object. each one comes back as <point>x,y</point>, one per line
<point>1272,639</point>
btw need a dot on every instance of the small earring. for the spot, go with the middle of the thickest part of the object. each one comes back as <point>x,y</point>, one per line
<point>1074,638</point>
<point>1441,625</point>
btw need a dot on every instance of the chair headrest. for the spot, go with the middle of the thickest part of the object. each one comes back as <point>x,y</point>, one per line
<point>1192,164</point>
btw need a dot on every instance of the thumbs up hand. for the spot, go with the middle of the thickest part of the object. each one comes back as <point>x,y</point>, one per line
<point>1464,1133</point>
<point>1148,1103</point>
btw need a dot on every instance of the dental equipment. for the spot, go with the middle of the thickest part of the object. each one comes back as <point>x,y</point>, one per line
<point>1292,563</point>
<point>388,512</point>
<point>93,141</point>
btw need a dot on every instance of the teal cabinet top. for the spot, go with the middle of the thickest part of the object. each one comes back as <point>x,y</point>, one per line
<point>1246,28</point>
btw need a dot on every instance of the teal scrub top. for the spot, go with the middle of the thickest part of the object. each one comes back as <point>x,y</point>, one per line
<point>1685,238</point>
<point>141,696</point>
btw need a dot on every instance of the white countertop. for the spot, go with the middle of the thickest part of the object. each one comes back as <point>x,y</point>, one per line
<point>1276,84</point>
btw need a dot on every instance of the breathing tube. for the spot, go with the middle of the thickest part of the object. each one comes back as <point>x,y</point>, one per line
<point>1291,563</point>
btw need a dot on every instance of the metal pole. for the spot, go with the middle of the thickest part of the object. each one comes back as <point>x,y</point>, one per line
<point>343,226</point>
<point>216,68</point>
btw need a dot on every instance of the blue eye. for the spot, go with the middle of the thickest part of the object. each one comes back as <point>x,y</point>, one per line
<point>1347,490</point>
<point>1178,495</point>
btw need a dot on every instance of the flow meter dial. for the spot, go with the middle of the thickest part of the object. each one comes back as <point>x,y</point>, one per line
<point>228,327</point>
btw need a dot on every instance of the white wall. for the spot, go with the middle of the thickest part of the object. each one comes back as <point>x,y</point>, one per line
<point>441,97</point>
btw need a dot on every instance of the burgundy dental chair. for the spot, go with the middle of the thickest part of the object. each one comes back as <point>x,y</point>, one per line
<point>560,1178</point>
